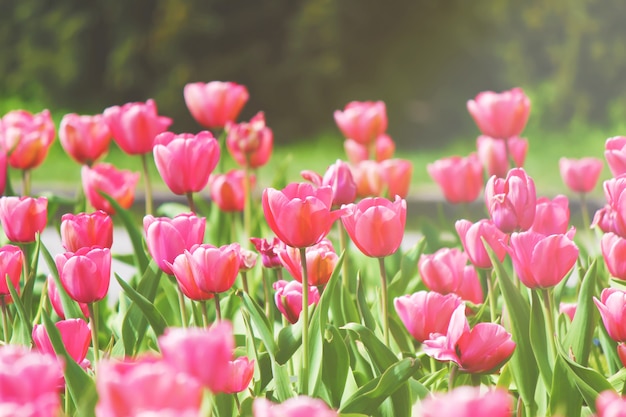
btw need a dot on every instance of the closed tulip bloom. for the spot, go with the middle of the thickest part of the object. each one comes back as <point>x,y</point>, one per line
<point>250,144</point>
<point>167,238</point>
<point>384,148</point>
<point>423,313</point>
<point>362,121</point>
<point>216,103</point>
<point>610,404</point>
<point>85,274</point>
<point>23,218</point>
<point>339,177</point>
<point>551,216</point>
<point>376,225</point>
<point>615,216</point>
<point>11,261</point>
<point>397,176</point>
<point>512,201</point>
<point>293,407</point>
<point>55,299</point>
<point>614,254</point>
<point>240,376</point>
<point>542,261</point>
<point>368,177</point>
<point>213,270</point>
<point>105,178</point>
<point>615,154</point>
<point>3,170</point>
<point>460,179</point>
<point>288,298</point>
<point>75,335</point>
<point>145,387</point>
<point>621,352</point>
<point>580,175</point>
<point>85,230</point>
<point>185,350</point>
<point>466,401</point>
<point>84,138</point>
<point>500,115</point>
<point>494,154</point>
<point>472,235</point>
<point>612,307</point>
<point>569,309</point>
<point>269,251</point>
<point>227,190</point>
<point>185,161</point>
<point>604,219</point>
<point>321,260</point>
<point>135,126</point>
<point>300,214</point>
<point>26,137</point>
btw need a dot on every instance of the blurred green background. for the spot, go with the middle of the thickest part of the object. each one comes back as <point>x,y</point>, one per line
<point>301,60</point>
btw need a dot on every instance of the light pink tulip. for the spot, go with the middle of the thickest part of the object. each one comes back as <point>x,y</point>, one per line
<point>268,251</point>
<point>471,235</point>
<point>321,259</point>
<point>423,313</point>
<point>397,174</point>
<point>384,148</point>
<point>105,178</point>
<point>55,299</point>
<point>613,217</point>
<point>551,216</point>
<point>250,144</point>
<point>459,178</point>
<point>86,273</point>
<point>368,177</point>
<point>241,373</point>
<point>569,309</point>
<point>610,404</point>
<point>85,138</point>
<point>216,103</point>
<point>26,138</point>
<point>11,262</point>
<point>135,125</point>
<point>185,161</point>
<point>23,218</point>
<point>465,401</point>
<point>580,175</point>
<point>294,407</point>
<point>615,154</point>
<point>612,307</point>
<point>512,201</point>
<point>494,154</point>
<point>362,121</point>
<point>85,230</point>
<point>614,254</point>
<point>288,298</point>
<point>227,190</point>
<point>605,219</point>
<point>500,115</point>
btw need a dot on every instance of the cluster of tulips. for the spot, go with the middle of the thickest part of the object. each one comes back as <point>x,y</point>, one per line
<point>473,331</point>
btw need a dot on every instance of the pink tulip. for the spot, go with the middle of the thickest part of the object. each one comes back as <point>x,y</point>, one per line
<point>368,177</point>
<point>362,121</point>
<point>542,261</point>
<point>614,216</point>
<point>55,299</point>
<point>85,230</point>
<point>213,270</point>
<point>472,234</point>
<point>494,153</point>
<point>580,175</point>
<point>605,219</point>
<point>28,383</point>
<point>614,254</point>
<point>186,350</point>
<point>147,385</point>
<point>105,178</point>
<point>612,307</point>
<point>621,352</point>
<point>3,170</point>
<point>300,214</point>
<point>446,271</point>
<point>615,154</point>
<point>250,144</point>
<point>512,201</point>
<point>23,218</point>
<point>288,298</point>
<point>26,137</point>
<point>321,259</point>
<point>500,115</point>
<point>167,238</point>
<point>247,259</point>
<point>241,373</point>
<point>483,349</point>
<point>216,103</point>
<point>85,138</point>
<point>269,251</point>
<point>384,148</point>
<point>425,312</point>
<point>227,190</point>
<point>396,174</point>
<point>376,225</point>
<point>294,407</point>
<point>85,274</point>
<point>460,179</point>
<point>465,401</point>
<point>339,177</point>
<point>135,125</point>
<point>75,335</point>
<point>551,216</point>
<point>185,161</point>
<point>569,309</point>
<point>11,261</point>
<point>610,404</point>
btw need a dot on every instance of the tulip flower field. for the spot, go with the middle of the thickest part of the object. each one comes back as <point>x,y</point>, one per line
<point>299,299</point>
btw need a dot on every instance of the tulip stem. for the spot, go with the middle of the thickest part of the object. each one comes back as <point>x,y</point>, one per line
<point>148,185</point>
<point>183,310</point>
<point>383,287</point>
<point>266,292</point>
<point>26,182</point>
<point>205,313</point>
<point>5,321</point>
<point>218,310</point>
<point>93,322</point>
<point>491,286</point>
<point>547,303</point>
<point>304,383</point>
<point>42,302</point>
<point>244,281</point>
<point>343,244</point>
<point>192,204</point>
<point>247,223</point>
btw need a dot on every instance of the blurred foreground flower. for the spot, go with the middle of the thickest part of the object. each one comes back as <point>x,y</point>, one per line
<point>468,402</point>
<point>294,407</point>
<point>460,179</point>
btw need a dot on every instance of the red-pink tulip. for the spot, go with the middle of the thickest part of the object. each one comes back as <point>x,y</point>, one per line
<point>612,307</point>
<point>135,125</point>
<point>569,309</point>
<point>146,387</point>
<point>614,254</point>
<point>465,401</point>
<point>362,121</point>
<point>227,190</point>
<point>321,260</point>
<point>483,349</point>
<point>288,298</point>
<point>472,234</point>
<point>269,251</point>
<point>85,138</point>
<point>396,174</point>
<point>580,175</point>
<point>75,335</point>
<point>621,352</point>
<point>494,153</point>
<point>425,312</point>
<point>203,354</point>
<point>105,178</point>
<point>384,148</point>
<point>376,225</point>
<point>85,274</point>
<point>85,230</point>
<point>241,373</point>
<point>339,177</point>
<point>446,271</point>
<point>294,407</point>
<point>551,216</point>
<point>512,201</point>
<point>460,179</point>
<point>615,154</point>
<point>167,238</point>
<point>542,261</point>
<point>213,270</point>
<point>216,103</point>
<point>26,137</point>
<point>3,170</point>
<point>500,115</point>
<point>55,299</point>
<point>23,218</point>
<point>610,404</point>
<point>11,261</point>
<point>300,214</point>
<point>250,144</point>
<point>368,177</point>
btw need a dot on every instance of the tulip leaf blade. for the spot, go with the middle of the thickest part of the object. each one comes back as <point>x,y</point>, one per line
<point>25,329</point>
<point>289,340</point>
<point>538,339</point>
<point>154,317</point>
<point>70,307</point>
<point>564,397</point>
<point>367,318</point>
<point>335,365</point>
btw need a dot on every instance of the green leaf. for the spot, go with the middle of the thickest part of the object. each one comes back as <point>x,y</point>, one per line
<point>23,333</point>
<point>364,310</point>
<point>565,399</point>
<point>154,317</point>
<point>408,270</point>
<point>336,364</point>
<point>171,209</point>
<point>538,339</point>
<point>289,340</point>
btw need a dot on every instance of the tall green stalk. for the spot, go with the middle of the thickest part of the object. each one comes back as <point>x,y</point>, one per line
<point>305,325</point>
<point>383,286</point>
<point>147,183</point>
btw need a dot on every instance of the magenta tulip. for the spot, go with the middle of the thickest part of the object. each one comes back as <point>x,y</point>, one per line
<point>85,274</point>
<point>288,298</point>
<point>11,261</point>
<point>610,404</point>
<point>75,335</point>
<point>294,407</point>
<point>3,170</point>
<point>321,259</point>
<point>216,103</point>
<point>615,154</point>
<point>105,178</point>
<point>580,175</point>
<point>425,312</point>
<point>26,138</point>
<point>614,254</point>
<point>500,115</point>
<point>472,235</point>
<point>362,121</point>
<point>23,218</point>
<point>460,179</point>
<point>339,177</point>
<point>268,251</point>
<point>465,401</point>
<point>85,230</point>
<point>512,201</point>
<point>612,307</point>
<point>55,299</point>
<point>84,138</point>
<point>551,216</point>
<point>250,144</point>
